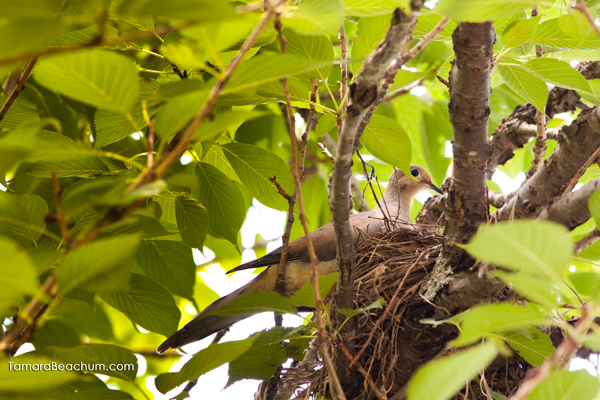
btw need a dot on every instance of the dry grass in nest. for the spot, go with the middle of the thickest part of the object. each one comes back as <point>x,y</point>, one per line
<point>384,262</point>
<point>393,267</point>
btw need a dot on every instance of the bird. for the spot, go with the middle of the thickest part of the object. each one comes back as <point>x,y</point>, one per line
<point>395,205</point>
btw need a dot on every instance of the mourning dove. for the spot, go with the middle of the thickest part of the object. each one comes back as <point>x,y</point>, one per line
<point>396,206</point>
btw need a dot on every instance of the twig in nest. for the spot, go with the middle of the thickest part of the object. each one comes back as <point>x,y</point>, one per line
<point>326,152</point>
<point>380,394</point>
<point>385,313</point>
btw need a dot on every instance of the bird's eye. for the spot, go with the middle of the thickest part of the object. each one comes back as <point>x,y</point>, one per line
<point>415,172</point>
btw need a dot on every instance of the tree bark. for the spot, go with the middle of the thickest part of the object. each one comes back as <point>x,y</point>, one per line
<point>466,204</point>
<point>362,93</point>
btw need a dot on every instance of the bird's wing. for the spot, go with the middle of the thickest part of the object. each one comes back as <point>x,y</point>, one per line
<point>323,241</point>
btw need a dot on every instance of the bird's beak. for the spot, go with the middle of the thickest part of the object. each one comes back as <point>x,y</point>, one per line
<point>432,186</point>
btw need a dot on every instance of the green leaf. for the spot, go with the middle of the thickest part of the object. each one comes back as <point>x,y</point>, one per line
<point>171,264</point>
<point>192,220</point>
<point>484,320</point>
<point>69,166</point>
<point>22,217</point>
<point>255,303</point>
<point>326,123</point>
<point>199,10</point>
<point>23,34</point>
<point>368,8</point>
<point>427,21</point>
<point>481,10</point>
<point>254,166</point>
<point>17,278</point>
<point>112,126</point>
<point>18,115</point>
<point>405,79</point>
<point>266,68</point>
<point>146,304</point>
<point>101,265</point>
<point>387,140</point>
<point>223,200</point>
<point>519,32</point>
<point>223,121</point>
<point>99,192</point>
<point>441,379</point>
<point>108,355</point>
<point>532,344</point>
<point>316,47</point>
<point>523,82</point>
<point>594,206</point>
<point>376,304</point>
<point>559,73</point>
<point>549,34</point>
<point>205,360</point>
<point>178,112</point>
<point>536,288</point>
<point>103,79</point>
<point>537,246</point>
<point>139,225</point>
<point>316,17</point>
<point>370,32</point>
<point>267,353</point>
<point>28,380</point>
<point>586,283</point>
<point>563,385</point>
<point>305,296</point>
<point>575,24</point>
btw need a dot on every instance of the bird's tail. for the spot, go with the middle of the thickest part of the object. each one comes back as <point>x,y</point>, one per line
<point>204,325</point>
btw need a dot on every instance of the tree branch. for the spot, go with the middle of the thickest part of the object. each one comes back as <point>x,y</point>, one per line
<point>466,203</point>
<point>578,145</point>
<point>362,94</point>
<point>18,87</point>
<point>514,131</point>
<point>571,210</point>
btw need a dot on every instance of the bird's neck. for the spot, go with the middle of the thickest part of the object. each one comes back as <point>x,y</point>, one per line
<point>396,203</point>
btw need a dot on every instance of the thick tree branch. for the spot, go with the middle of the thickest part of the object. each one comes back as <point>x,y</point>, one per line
<point>571,210</point>
<point>466,203</point>
<point>362,93</point>
<point>578,145</point>
<point>391,72</point>
<point>514,131</point>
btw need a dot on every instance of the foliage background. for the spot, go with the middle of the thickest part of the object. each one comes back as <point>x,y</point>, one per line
<point>103,74</point>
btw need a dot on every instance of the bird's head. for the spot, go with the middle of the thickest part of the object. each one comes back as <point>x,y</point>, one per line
<point>418,180</point>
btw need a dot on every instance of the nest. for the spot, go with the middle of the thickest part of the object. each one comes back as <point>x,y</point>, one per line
<point>392,266</point>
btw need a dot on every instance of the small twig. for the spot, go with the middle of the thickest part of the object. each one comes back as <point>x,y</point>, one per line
<point>539,52</point>
<point>581,6</point>
<point>368,177</point>
<point>402,92</point>
<point>444,82</point>
<point>311,117</point>
<point>591,160</point>
<point>48,291</point>
<point>18,87</point>
<point>586,241</point>
<point>181,75</point>
<point>60,216</point>
<point>381,395</point>
<point>343,66</point>
<point>280,190</point>
<point>326,152</point>
<point>383,316</point>
<point>337,391</point>
<point>539,150</point>
<point>151,143</point>
<point>562,355</point>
